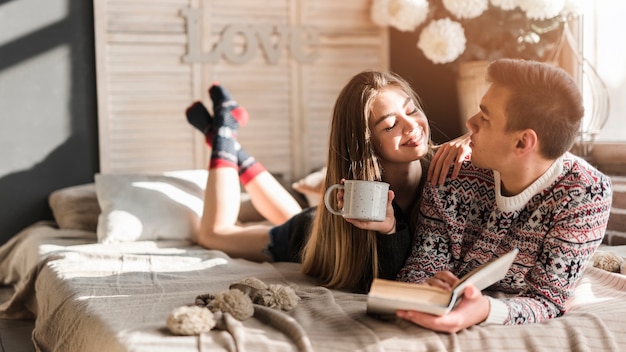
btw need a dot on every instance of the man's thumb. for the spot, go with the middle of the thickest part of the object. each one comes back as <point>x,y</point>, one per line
<point>471,292</point>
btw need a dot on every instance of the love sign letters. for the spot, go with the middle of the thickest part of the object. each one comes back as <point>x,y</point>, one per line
<point>271,39</point>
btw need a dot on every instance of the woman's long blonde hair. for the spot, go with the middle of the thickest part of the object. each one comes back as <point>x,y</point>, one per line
<point>339,254</point>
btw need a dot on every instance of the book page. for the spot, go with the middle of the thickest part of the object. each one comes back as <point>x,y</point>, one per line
<point>409,292</point>
<point>387,296</point>
<point>488,273</point>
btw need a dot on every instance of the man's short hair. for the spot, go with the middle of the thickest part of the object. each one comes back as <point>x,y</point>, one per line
<point>543,98</point>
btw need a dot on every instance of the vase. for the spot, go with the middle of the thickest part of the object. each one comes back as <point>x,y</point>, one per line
<point>471,85</point>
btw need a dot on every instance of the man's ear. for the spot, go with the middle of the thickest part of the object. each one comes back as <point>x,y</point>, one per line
<point>526,141</point>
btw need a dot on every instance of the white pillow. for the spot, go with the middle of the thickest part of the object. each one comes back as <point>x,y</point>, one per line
<point>311,186</point>
<point>139,207</point>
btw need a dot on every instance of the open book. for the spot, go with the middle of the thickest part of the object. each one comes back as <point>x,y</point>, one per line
<point>387,296</point>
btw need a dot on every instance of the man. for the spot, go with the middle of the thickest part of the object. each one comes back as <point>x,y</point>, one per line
<point>522,188</point>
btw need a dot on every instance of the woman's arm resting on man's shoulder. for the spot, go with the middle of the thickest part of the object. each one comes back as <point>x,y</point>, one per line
<point>449,154</point>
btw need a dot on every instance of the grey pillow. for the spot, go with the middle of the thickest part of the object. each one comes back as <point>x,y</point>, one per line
<point>75,207</point>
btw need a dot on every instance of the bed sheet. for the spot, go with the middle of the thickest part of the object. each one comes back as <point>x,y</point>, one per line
<point>95,297</point>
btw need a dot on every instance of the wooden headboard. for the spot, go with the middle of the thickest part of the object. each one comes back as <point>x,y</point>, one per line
<point>285,61</point>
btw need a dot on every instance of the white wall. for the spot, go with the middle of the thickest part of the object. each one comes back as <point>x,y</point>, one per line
<point>605,47</point>
<point>48,136</point>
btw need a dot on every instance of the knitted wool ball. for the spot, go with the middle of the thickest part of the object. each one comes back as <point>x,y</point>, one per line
<point>233,301</point>
<point>190,320</point>
<point>284,297</point>
<point>254,282</point>
<point>608,261</point>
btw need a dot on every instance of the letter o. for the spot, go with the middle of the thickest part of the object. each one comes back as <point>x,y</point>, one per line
<point>250,44</point>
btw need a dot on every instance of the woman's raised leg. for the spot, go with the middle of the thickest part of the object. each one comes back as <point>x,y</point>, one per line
<point>229,166</point>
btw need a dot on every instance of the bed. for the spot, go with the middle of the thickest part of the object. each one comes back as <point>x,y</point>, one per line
<point>92,284</point>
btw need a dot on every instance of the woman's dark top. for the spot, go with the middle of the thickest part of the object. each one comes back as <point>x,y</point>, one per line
<point>288,240</point>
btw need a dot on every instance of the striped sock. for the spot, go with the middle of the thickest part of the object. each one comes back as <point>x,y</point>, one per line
<point>226,111</point>
<point>224,150</point>
<point>249,167</point>
<point>199,117</point>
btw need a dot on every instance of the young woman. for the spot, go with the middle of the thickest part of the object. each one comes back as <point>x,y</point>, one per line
<point>378,132</point>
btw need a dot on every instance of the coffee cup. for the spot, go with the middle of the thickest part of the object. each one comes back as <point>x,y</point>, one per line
<point>363,200</point>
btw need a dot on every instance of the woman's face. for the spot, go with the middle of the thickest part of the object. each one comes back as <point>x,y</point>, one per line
<point>399,128</point>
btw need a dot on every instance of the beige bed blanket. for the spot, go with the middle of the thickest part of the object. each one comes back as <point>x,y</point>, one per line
<point>98,297</point>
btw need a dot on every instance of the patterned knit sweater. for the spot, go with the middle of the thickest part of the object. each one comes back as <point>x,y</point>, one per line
<point>556,223</point>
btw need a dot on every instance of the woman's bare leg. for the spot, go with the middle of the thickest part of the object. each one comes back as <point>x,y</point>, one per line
<point>271,199</point>
<point>218,227</point>
<point>229,166</point>
<point>268,196</point>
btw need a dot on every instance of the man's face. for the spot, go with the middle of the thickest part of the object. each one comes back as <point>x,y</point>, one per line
<point>491,145</point>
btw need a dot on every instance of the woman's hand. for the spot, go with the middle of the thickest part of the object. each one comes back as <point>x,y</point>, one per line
<point>387,226</point>
<point>449,154</point>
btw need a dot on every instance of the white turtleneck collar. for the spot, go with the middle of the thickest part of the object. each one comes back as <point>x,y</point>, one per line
<point>517,202</point>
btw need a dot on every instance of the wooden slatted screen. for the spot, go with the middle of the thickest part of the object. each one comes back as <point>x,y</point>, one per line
<point>155,57</point>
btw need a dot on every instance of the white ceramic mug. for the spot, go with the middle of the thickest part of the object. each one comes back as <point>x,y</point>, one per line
<point>363,200</point>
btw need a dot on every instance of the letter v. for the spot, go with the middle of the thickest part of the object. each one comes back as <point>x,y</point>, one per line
<point>271,51</point>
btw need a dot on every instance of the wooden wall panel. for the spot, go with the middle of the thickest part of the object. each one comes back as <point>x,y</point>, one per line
<point>148,73</point>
